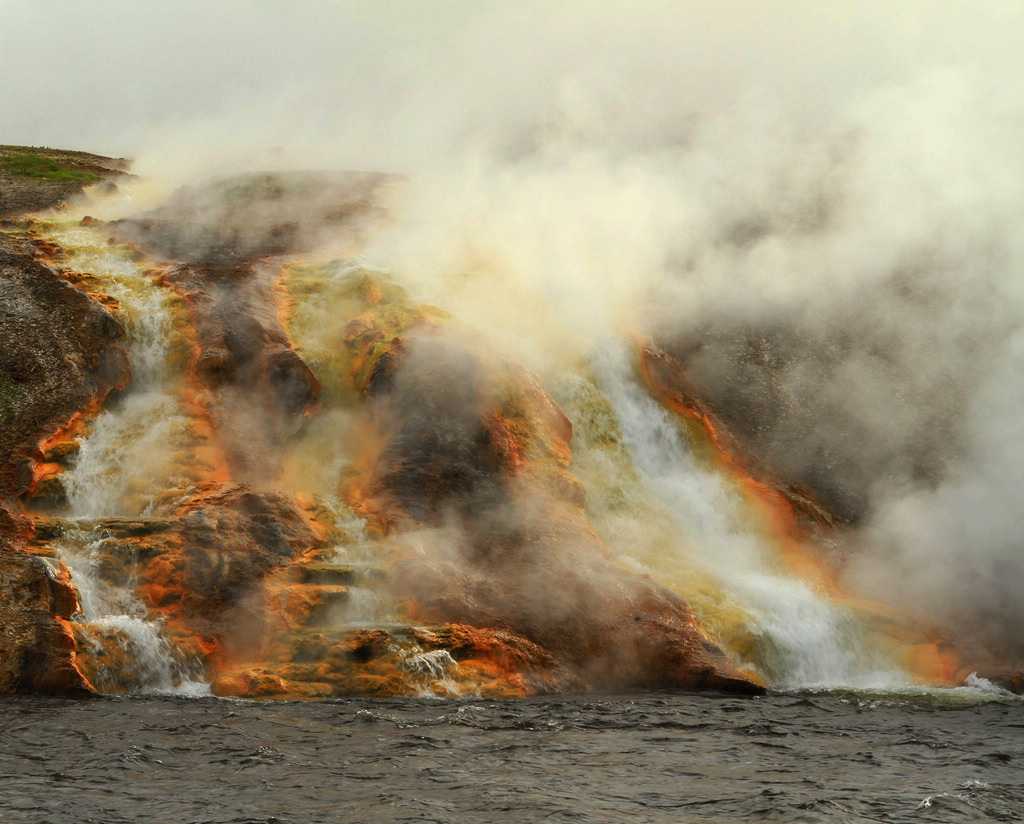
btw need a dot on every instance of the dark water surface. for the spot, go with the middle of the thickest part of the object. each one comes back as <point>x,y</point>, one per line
<point>662,758</point>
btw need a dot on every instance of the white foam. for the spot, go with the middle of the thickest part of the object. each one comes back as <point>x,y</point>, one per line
<point>128,457</point>
<point>432,673</point>
<point>109,611</point>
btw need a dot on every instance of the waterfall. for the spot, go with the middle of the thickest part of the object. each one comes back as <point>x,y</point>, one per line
<point>319,458</point>
<point>130,457</point>
<point>798,636</point>
<point>657,505</point>
<point>111,615</point>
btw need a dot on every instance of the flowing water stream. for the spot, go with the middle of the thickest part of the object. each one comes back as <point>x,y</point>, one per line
<point>803,638</point>
<point>132,455</point>
<point>130,460</point>
<point>658,506</point>
<point>319,458</point>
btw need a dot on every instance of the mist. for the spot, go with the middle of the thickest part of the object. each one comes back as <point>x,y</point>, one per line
<point>838,188</point>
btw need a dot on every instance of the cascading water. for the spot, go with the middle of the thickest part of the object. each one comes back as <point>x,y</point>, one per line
<point>112,615</point>
<point>131,456</point>
<point>132,453</point>
<point>677,517</point>
<point>368,603</point>
<point>660,508</point>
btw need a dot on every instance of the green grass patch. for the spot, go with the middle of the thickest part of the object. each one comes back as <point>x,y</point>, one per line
<point>42,168</point>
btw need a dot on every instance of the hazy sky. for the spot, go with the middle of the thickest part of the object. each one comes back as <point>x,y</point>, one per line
<point>112,76</point>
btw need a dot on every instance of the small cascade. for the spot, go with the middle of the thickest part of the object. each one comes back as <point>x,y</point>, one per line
<point>124,650</point>
<point>432,673</point>
<point>689,525</point>
<point>135,449</point>
<point>369,604</point>
<point>136,454</point>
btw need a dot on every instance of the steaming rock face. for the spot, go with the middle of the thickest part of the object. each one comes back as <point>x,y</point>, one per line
<point>257,390</point>
<point>244,585</point>
<point>200,566</point>
<point>669,380</point>
<point>821,409</point>
<point>743,419</point>
<point>470,477</point>
<point>236,574</point>
<point>506,589</point>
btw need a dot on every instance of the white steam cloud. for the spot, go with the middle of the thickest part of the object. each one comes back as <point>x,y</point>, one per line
<point>850,173</point>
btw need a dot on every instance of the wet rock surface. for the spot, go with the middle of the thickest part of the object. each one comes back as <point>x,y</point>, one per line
<point>810,511</point>
<point>36,602</point>
<point>59,354</point>
<point>772,384</point>
<point>216,239</point>
<point>730,435</point>
<point>257,389</point>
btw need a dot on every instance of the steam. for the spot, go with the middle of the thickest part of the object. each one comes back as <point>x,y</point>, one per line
<point>838,192</point>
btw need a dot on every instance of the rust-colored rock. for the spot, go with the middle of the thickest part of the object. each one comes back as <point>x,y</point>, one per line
<point>59,354</point>
<point>217,238</point>
<point>791,507</point>
<point>441,659</point>
<point>203,567</point>
<point>257,682</point>
<point>256,389</point>
<point>504,590</point>
<point>38,648</point>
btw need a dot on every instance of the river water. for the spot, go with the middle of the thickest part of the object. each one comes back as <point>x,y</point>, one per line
<point>835,757</point>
